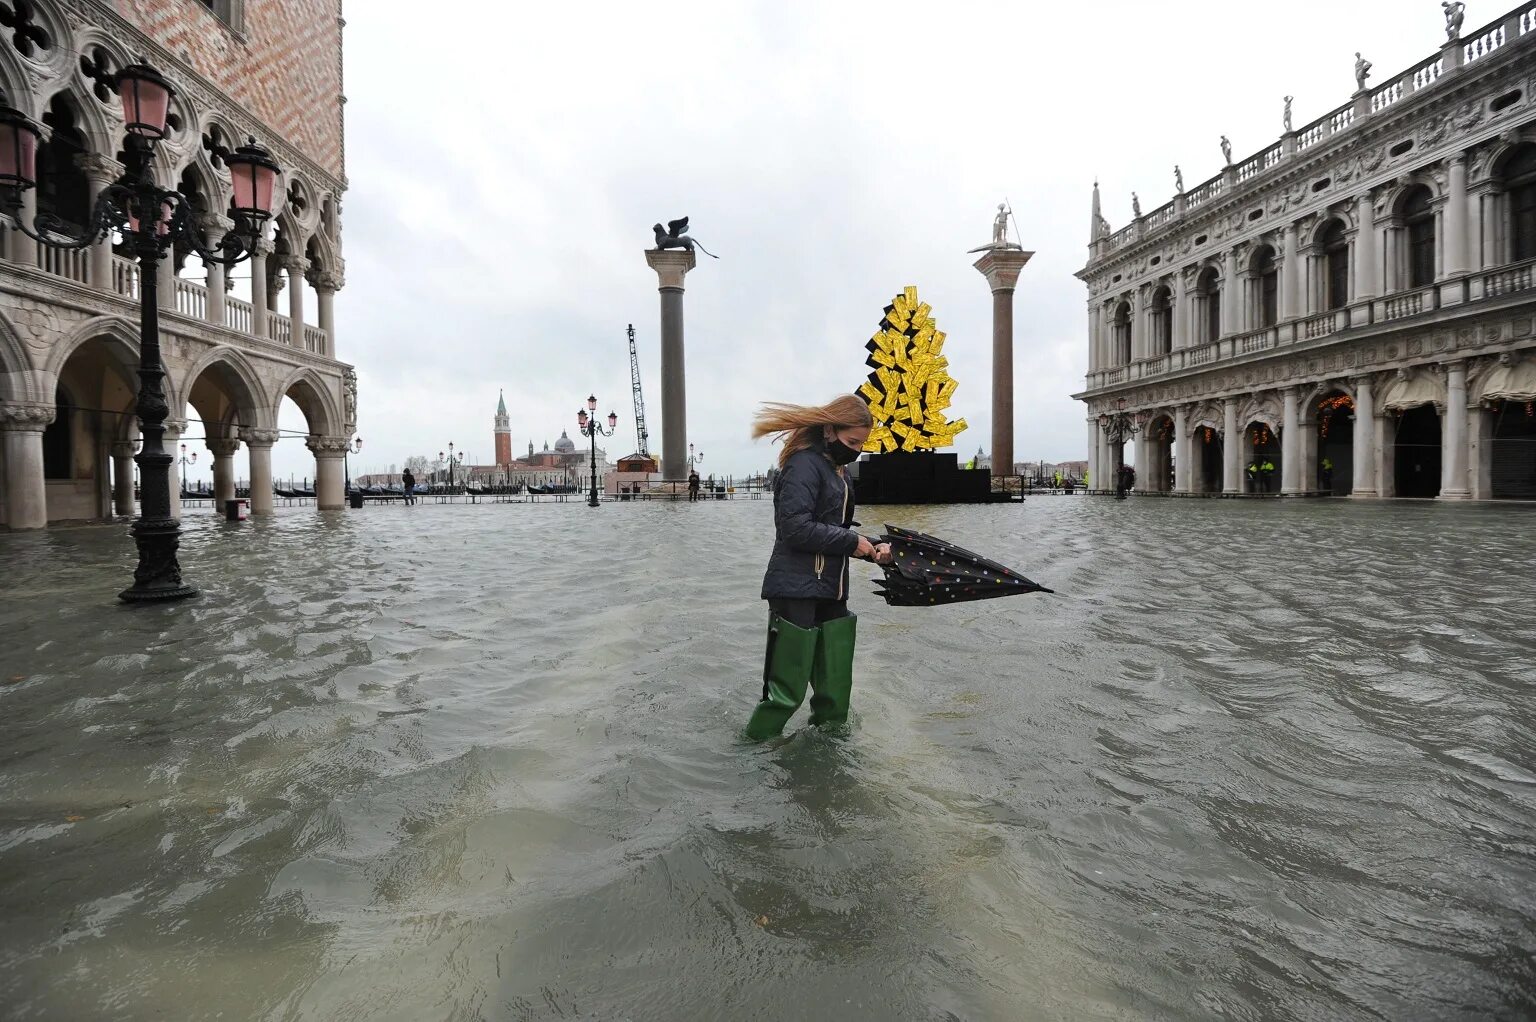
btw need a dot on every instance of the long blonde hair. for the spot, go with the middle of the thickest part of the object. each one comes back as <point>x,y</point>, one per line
<point>800,426</point>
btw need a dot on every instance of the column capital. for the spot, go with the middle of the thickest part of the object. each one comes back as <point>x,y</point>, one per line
<point>259,437</point>
<point>327,281</point>
<point>1001,267</point>
<point>294,264</point>
<point>671,265</point>
<point>101,170</point>
<point>330,448</point>
<point>177,426</point>
<point>223,447</point>
<point>25,417</point>
<point>262,248</point>
<point>124,449</point>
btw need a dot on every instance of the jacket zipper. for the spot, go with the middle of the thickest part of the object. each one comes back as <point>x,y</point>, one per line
<point>820,563</point>
<point>844,572</point>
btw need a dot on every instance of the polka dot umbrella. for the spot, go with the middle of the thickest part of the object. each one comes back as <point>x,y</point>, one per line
<point>925,570</point>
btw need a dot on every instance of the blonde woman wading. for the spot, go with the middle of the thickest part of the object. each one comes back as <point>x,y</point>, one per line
<point>810,632</point>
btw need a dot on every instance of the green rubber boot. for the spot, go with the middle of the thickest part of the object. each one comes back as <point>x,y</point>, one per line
<point>832,671</point>
<point>791,650</point>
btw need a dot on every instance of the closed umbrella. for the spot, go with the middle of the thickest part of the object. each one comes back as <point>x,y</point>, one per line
<point>926,570</point>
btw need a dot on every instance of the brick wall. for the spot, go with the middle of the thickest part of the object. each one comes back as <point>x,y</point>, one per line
<point>285,67</point>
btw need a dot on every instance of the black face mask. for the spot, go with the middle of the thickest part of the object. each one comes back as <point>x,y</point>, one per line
<point>841,453</point>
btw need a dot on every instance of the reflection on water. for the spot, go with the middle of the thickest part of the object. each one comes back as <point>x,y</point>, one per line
<point>1255,761</point>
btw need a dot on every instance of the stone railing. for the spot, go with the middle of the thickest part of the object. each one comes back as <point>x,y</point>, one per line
<point>125,277</point>
<point>1124,236</point>
<point>1255,340</point>
<point>279,329</point>
<point>237,314</point>
<point>1321,325</point>
<point>1258,163</point>
<point>1484,45</point>
<point>1203,354</point>
<point>1159,216</point>
<point>1204,192</point>
<point>70,263</point>
<point>314,340</point>
<point>1402,306</point>
<point>191,299</point>
<point>1509,280</point>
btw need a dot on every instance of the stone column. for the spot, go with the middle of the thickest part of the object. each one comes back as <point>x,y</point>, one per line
<point>1093,336</point>
<point>326,283</point>
<point>223,451</point>
<point>165,277</point>
<point>296,265</point>
<point>1291,271</point>
<point>100,171</point>
<point>122,477</point>
<point>1231,294</point>
<point>258,444</point>
<point>1290,443</point>
<point>1182,450</point>
<point>1001,267</point>
<point>671,266</point>
<point>1093,452</point>
<point>1363,455</point>
<point>214,228</point>
<point>1456,217</point>
<point>1384,454</point>
<point>170,439</point>
<point>1180,312</point>
<point>259,325</point>
<point>1367,262</point>
<point>329,489</point>
<point>1231,449</point>
<point>21,431</point>
<point>1453,445</point>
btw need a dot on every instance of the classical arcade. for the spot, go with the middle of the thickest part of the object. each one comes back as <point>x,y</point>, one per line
<point>234,349</point>
<point>1354,306</point>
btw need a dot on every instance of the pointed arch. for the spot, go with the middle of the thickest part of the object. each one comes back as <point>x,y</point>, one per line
<point>16,376</point>
<point>314,396</point>
<point>90,119</point>
<point>239,379</point>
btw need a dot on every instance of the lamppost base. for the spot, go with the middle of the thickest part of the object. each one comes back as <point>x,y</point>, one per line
<point>158,576</point>
<point>593,502</point>
<point>155,594</point>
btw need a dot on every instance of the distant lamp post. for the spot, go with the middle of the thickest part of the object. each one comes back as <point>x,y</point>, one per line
<point>152,222</point>
<point>185,460</point>
<point>1119,426</point>
<point>346,471</point>
<point>693,456</point>
<point>590,427</point>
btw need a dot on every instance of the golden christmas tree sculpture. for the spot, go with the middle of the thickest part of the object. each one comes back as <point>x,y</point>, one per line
<point>910,386</point>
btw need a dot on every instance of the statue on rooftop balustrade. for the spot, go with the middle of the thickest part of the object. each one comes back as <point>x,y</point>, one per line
<point>1362,71</point>
<point>1455,11</point>
<point>1288,114</point>
<point>1226,150</point>
<point>1178,179</point>
<point>1135,206</point>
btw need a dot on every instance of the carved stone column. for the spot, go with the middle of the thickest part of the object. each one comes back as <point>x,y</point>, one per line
<point>259,325</point>
<point>1453,453</point>
<point>223,451</point>
<point>1456,246</point>
<point>326,283</point>
<point>671,266</point>
<point>1231,449</point>
<point>1094,436</point>
<point>329,488</point>
<point>1364,453</point>
<point>1180,311</point>
<point>1367,262</point>
<point>258,443</point>
<point>1001,268</point>
<point>1290,443</point>
<point>1183,450</point>
<point>172,436</point>
<point>122,478</point>
<point>296,265</point>
<point>26,493</point>
<point>214,228</point>
<point>100,171</point>
<point>1231,294</point>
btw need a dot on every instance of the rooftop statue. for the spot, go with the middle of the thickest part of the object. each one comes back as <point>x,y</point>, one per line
<point>1135,206</point>
<point>1455,12</point>
<point>1178,179</point>
<point>1362,71</point>
<point>675,236</point>
<point>1288,114</point>
<point>1226,150</point>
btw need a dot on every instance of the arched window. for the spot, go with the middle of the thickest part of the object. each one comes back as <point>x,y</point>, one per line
<point>1162,321</point>
<point>1520,191</point>
<point>1208,293</point>
<point>1267,283</point>
<point>58,439</point>
<point>1123,334</point>
<point>1335,265</point>
<point>62,187</point>
<point>1419,226</point>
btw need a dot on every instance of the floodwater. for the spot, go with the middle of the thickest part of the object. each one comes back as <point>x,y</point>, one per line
<point>1254,761</point>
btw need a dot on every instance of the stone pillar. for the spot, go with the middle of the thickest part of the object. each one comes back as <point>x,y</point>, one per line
<point>165,278</point>
<point>1367,262</point>
<point>1364,454</point>
<point>259,325</point>
<point>326,283</point>
<point>21,431</point>
<point>296,265</point>
<point>100,171</point>
<point>671,266</point>
<point>1182,450</point>
<point>223,451</point>
<point>169,440</point>
<point>1093,336</point>
<point>329,489</point>
<point>258,444</point>
<point>122,477</point>
<point>1456,247</point>
<point>1453,431</point>
<point>214,228</point>
<point>1291,272</point>
<point>1384,454</point>
<point>1290,443</point>
<point>1231,294</point>
<point>1180,312</point>
<point>1093,452</point>
<point>1231,449</point>
<point>1001,267</point>
<point>23,250</point>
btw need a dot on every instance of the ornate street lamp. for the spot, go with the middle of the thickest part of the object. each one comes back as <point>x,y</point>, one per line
<point>694,456</point>
<point>590,427</point>
<point>151,220</point>
<point>453,459</point>
<point>346,471</point>
<point>1119,426</point>
<point>185,460</point>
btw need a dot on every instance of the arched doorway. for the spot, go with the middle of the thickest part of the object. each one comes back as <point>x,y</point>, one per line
<point>1157,475</point>
<point>1335,414</point>
<point>1416,452</point>
<point>1262,469</point>
<point>1513,470</point>
<point>225,396</point>
<point>94,404</point>
<point>1205,476</point>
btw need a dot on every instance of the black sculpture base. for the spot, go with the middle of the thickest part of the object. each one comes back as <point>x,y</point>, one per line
<point>925,477</point>
<point>158,576</point>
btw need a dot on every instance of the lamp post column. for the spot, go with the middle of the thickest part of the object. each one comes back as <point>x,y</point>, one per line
<point>258,442</point>
<point>21,429</point>
<point>1001,267</point>
<point>671,266</point>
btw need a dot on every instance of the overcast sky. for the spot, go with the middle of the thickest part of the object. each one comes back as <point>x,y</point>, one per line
<point>506,162</point>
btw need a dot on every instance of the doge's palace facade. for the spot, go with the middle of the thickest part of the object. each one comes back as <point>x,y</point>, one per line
<point>1354,304</point>
<point>69,319</point>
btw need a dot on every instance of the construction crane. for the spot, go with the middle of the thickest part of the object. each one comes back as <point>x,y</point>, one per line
<point>634,375</point>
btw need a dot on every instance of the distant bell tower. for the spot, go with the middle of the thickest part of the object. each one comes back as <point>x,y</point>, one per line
<point>503,433</point>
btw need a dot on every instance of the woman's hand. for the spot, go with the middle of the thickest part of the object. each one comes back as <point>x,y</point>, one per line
<point>866,549</point>
<point>883,554</point>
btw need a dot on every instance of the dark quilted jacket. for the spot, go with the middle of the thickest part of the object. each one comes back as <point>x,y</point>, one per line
<point>812,512</point>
